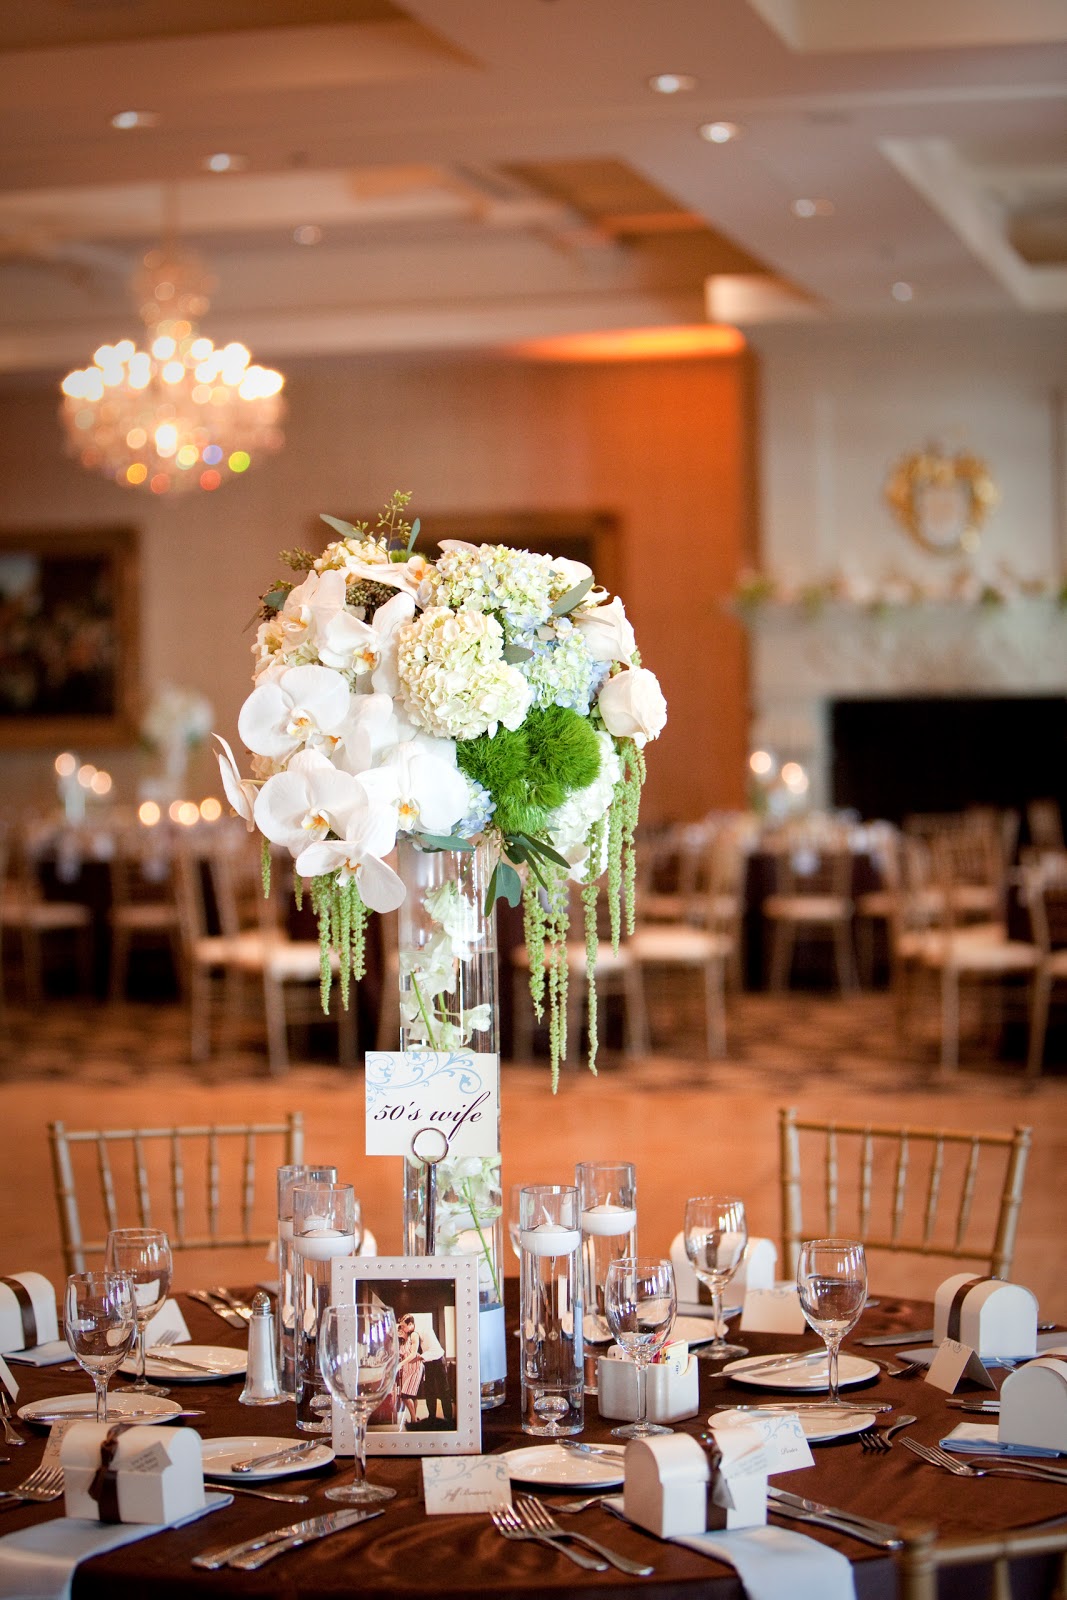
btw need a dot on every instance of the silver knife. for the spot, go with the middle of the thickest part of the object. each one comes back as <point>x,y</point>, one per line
<point>220,1309</point>
<point>851,1530</point>
<point>825,1407</point>
<point>338,1522</point>
<point>882,1532</point>
<point>213,1559</point>
<point>275,1458</point>
<point>922,1336</point>
<point>612,1452</point>
<point>116,1416</point>
<point>242,1308</point>
<point>772,1363</point>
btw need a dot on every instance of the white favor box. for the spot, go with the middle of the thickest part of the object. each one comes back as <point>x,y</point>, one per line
<point>1033,1404</point>
<point>160,1472</point>
<point>756,1271</point>
<point>42,1298</point>
<point>666,1488</point>
<point>669,1395</point>
<point>738,1496</point>
<point>996,1319</point>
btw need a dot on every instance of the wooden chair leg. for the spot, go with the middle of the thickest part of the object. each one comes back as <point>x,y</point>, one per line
<point>1039,1004</point>
<point>120,959</point>
<point>32,966</point>
<point>783,938</point>
<point>715,1007</point>
<point>844,960</point>
<point>950,1019</point>
<point>199,1014</point>
<point>637,1029</point>
<point>274,1010</point>
<point>348,1028</point>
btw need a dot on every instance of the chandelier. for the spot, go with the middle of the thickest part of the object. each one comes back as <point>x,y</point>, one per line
<point>183,414</point>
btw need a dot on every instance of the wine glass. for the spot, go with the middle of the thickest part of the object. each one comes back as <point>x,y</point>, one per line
<point>358,1355</point>
<point>143,1253</point>
<point>832,1284</point>
<point>640,1301</point>
<point>716,1234</point>
<point>100,1322</point>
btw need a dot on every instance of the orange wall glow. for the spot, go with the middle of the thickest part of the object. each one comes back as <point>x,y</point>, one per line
<point>637,344</point>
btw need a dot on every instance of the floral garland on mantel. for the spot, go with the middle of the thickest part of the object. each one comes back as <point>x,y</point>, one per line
<point>894,592</point>
<point>490,693</point>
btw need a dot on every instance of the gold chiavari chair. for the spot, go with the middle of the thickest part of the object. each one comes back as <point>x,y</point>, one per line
<point>151,1183</point>
<point>924,1556</point>
<point>871,1198</point>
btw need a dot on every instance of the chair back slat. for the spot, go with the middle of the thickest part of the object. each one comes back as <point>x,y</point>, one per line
<point>229,1203</point>
<point>900,1185</point>
<point>107,1181</point>
<point>851,1164</point>
<point>933,1189</point>
<point>923,1557</point>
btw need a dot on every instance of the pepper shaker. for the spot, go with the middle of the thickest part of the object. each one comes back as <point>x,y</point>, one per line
<point>261,1376</point>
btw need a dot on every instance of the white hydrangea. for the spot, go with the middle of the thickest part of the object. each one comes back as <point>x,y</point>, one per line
<point>561,671</point>
<point>514,584</point>
<point>569,825</point>
<point>454,681</point>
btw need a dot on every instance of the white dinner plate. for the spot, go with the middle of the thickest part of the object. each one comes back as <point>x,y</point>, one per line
<point>131,1407</point>
<point>694,1330</point>
<point>219,1453</point>
<point>851,1369</point>
<point>215,1360</point>
<point>554,1467</point>
<point>817,1428</point>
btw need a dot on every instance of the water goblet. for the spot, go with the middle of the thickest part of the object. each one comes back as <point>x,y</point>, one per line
<point>640,1301</point>
<point>716,1234</point>
<point>358,1353</point>
<point>100,1323</point>
<point>143,1253</point>
<point>832,1284</point>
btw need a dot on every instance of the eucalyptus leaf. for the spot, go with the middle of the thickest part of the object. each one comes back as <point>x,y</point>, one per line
<point>573,597</point>
<point>338,525</point>
<point>541,848</point>
<point>441,841</point>
<point>504,884</point>
<point>276,599</point>
<point>514,653</point>
<point>414,534</point>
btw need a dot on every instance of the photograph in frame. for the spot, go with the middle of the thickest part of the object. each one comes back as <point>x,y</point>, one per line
<point>435,1407</point>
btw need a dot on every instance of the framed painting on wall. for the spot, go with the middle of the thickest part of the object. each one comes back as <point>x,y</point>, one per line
<point>68,637</point>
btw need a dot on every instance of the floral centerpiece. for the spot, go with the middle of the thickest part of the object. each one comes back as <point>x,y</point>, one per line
<point>177,721</point>
<point>490,695</point>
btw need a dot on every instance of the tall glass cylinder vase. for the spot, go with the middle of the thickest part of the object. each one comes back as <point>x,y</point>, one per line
<point>448,958</point>
<point>288,1265</point>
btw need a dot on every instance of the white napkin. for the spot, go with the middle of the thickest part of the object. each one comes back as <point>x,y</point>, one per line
<point>773,1563</point>
<point>41,1355</point>
<point>778,1564</point>
<point>169,1319</point>
<point>38,1563</point>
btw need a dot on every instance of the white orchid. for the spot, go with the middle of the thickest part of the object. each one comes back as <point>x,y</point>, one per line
<point>240,792</point>
<point>351,645</point>
<point>309,610</point>
<point>371,727</point>
<point>432,793</point>
<point>303,706</point>
<point>307,801</point>
<point>367,834</point>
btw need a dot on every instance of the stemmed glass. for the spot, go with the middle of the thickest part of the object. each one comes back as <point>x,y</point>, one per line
<point>716,1234</point>
<point>832,1284</point>
<point>100,1323</point>
<point>640,1301</point>
<point>143,1253</point>
<point>358,1355</point>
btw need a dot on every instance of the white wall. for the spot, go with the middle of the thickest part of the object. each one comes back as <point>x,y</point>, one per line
<point>839,405</point>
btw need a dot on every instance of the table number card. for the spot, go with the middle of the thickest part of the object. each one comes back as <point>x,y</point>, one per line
<point>954,1361</point>
<point>475,1483</point>
<point>454,1091</point>
<point>774,1310</point>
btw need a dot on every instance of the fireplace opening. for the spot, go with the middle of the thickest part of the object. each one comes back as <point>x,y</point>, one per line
<point>893,757</point>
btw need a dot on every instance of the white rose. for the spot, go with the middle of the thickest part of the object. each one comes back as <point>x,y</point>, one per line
<point>633,706</point>
<point>606,632</point>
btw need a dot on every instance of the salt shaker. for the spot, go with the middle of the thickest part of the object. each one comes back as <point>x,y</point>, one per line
<point>261,1376</point>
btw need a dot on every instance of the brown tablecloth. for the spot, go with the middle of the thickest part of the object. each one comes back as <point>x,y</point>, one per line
<point>403,1555</point>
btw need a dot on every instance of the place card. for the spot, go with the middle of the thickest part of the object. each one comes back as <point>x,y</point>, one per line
<point>784,1443</point>
<point>774,1310</point>
<point>954,1361</point>
<point>458,1484</point>
<point>455,1092</point>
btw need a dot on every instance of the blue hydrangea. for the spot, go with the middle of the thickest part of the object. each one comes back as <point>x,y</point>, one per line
<point>561,671</point>
<point>480,808</point>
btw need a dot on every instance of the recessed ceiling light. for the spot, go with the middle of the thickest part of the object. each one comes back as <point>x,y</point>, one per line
<point>672,83</point>
<point>902,291</point>
<point>134,119</point>
<point>719,132</point>
<point>307,233</point>
<point>812,208</point>
<point>223,161</point>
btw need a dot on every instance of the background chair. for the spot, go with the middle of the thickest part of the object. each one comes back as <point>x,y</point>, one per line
<point>923,1557</point>
<point>199,1183</point>
<point>905,1190</point>
<point>144,907</point>
<point>1045,887</point>
<point>812,899</point>
<point>25,912</point>
<point>1044,822</point>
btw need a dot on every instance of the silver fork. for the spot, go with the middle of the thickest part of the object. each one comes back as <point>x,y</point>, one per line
<point>535,1516</point>
<point>43,1483</point>
<point>506,1522</point>
<point>876,1441</point>
<point>937,1457</point>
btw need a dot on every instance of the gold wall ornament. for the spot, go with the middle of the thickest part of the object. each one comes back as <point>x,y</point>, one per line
<point>941,500</point>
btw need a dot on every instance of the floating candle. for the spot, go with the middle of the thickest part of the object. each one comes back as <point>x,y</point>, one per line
<point>608,1219</point>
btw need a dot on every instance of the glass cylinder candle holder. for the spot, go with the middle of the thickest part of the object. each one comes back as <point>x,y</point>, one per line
<point>607,1196</point>
<point>324,1229</point>
<point>550,1326</point>
<point>288,1178</point>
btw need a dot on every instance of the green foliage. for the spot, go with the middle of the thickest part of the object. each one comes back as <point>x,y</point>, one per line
<point>298,560</point>
<point>532,771</point>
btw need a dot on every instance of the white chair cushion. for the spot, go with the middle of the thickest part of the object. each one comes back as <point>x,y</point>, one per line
<point>688,946</point>
<point>807,908</point>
